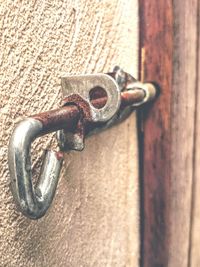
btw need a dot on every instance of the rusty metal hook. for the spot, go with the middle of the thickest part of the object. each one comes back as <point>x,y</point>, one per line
<point>78,118</point>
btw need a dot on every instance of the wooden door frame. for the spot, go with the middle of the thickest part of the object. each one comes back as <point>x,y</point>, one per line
<point>156,59</point>
<point>169,55</point>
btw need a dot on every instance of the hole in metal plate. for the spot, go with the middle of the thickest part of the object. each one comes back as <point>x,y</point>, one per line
<point>98,97</point>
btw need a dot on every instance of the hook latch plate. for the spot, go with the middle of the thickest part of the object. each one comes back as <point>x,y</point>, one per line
<point>76,89</point>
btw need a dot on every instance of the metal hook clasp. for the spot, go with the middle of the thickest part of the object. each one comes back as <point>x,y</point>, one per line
<point>32,202</point>
<point>78,118</point>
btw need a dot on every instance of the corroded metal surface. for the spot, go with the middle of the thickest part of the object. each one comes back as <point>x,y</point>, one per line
<point>79,117</point>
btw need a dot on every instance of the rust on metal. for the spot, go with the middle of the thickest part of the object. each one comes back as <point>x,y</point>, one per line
<point>60,155</point>
<point>64,117</point>
<point>132,96</point>
<point>92,103</point>
<point>67,117</point>
<point>82,105</point>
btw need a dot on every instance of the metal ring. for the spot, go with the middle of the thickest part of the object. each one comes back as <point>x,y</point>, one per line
<point>149,91</point>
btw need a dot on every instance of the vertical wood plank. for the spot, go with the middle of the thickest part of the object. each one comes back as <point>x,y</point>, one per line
<point>182,127</point>
<point>156,29</point>
<point>168,46</point>
<point>195,227</point>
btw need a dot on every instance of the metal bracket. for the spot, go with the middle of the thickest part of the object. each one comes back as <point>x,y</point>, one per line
<point>76,89</point>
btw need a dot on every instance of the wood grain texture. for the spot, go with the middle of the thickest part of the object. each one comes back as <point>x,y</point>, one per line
<point>94,218</point>
<point>194,256</point>
<point>183,127</point>
<point>156,29</point>
<point>169,32</point>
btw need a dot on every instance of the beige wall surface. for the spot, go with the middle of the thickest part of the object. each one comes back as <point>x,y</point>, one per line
<point>94,219</point>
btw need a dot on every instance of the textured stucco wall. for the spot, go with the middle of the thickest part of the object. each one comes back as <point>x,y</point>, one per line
<point>94,218</point>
